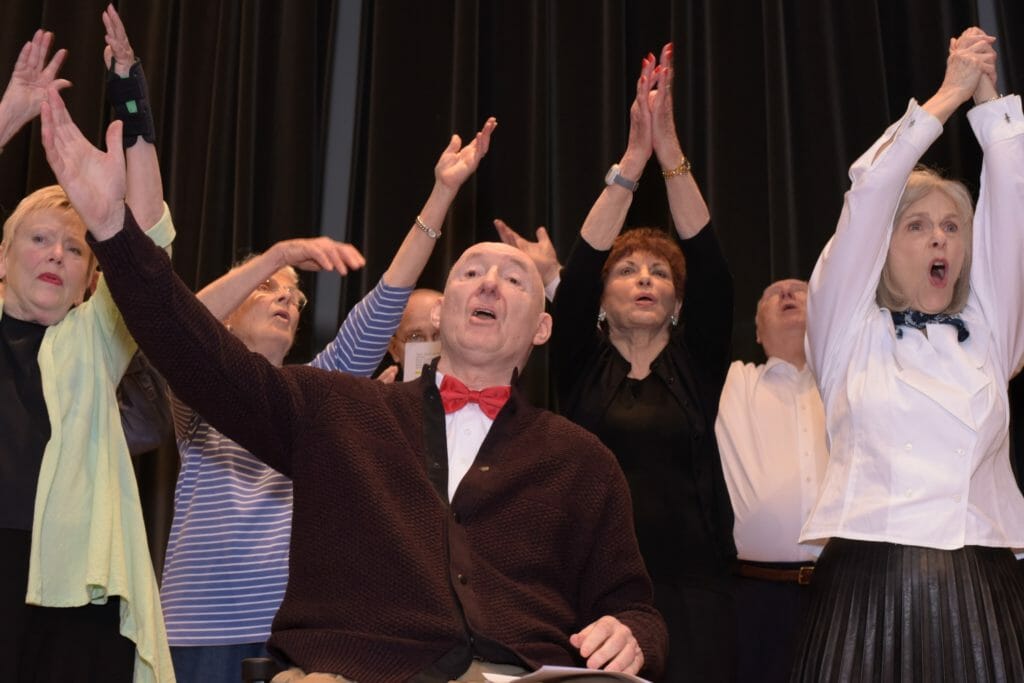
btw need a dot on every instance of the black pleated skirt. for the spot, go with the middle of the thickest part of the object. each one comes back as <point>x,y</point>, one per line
<point>886,612</point>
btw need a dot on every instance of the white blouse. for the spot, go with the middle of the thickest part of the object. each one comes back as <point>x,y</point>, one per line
<point>918,426</point>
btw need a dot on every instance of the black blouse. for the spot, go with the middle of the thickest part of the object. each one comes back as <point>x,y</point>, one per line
<point>24,422</point>
<point>670,455</point>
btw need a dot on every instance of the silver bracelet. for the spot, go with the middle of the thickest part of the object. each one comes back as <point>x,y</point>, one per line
<point>430,232</point>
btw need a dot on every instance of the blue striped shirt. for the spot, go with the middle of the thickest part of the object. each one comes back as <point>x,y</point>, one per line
<point>226,566</point>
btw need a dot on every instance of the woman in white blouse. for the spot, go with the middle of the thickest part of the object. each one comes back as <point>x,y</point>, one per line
<point>915,324</point>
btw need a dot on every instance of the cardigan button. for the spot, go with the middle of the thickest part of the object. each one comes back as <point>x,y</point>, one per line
<point>463,579</point>
<point>455,516</point>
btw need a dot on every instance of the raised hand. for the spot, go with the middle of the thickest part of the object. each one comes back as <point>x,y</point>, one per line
<point>318,253</point>
<point>664,137</point>
<point>966,65</point>
<point>30,79</point>
<point>458,162</point>
<point>982,45</point>
<point>639,146</point>
<point>93,180</point>
<point>964,69</point>
<point>118,49</point>
<point>541,252</point>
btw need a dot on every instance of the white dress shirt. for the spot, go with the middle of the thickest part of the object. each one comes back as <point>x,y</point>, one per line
<point>771,434</point>
<point>918,426</point>
<point>465,430</point>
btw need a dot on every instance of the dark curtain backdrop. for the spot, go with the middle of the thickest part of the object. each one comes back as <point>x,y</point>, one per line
<point>238,91</point>
<point>774,100</point>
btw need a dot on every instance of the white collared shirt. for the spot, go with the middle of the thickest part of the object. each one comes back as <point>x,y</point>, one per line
<point>465,430</point>
<point>771,435</point>
<point>918,426</point>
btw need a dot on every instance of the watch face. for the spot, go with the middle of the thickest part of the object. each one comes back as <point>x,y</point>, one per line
<point>610,176</point>
<point>613,176</point>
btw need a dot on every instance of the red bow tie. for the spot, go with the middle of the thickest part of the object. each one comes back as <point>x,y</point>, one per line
<point>455,395</point>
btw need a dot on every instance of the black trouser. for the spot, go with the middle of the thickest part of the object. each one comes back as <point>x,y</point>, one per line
<point>55,643</point>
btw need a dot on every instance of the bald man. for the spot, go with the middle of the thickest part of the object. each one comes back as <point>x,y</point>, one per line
<point>443,528</point>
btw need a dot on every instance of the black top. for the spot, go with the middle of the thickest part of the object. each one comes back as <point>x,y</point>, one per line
<point>674,465</point>
<point>24,422</point>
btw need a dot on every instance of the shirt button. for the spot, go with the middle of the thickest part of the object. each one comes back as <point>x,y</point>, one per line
<point>956,499</point>
<point>910,493</point>
<point>959,451</point>
<point>466,432</point>
<point>908,446</point>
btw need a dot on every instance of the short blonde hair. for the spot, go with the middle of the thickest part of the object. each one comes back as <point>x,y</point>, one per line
<point>922,182</point>
<point>49,197</point>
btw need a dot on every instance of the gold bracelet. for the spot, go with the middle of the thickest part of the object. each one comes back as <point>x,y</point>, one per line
<point>682,169</point>
<point>430,232</point>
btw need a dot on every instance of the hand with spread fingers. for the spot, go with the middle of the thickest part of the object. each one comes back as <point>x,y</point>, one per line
<point>93,180</point>
<point>541,252</point>
<point>31,77</point>
<point>458,162</point>
<point>318,253</point>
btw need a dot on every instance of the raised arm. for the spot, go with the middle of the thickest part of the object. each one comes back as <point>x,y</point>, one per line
<point>842,287</point>
<point>606,218</point>
<point>689,211</point>
<point>129,98</point>
<point>457,163</point>
<point>240,392</point>
<point>996,277</point>
<point>26,90</point>
<point>226,293</point>
<point>363,338</point>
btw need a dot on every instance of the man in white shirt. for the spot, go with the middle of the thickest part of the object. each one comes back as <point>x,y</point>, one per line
<point>771,434</point>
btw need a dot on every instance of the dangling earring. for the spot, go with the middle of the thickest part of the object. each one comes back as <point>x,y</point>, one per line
<point>674,319</point>
<point>601,317</point>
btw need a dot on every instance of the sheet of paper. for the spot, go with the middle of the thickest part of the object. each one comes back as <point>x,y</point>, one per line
<point>418,354</point>
<point>563,673</point>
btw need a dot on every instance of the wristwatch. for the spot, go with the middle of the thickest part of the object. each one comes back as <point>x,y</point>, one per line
<point>613,176</point>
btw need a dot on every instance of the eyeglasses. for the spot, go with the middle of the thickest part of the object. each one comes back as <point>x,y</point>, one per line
<point>414,337</point>
<point>273,288</point>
